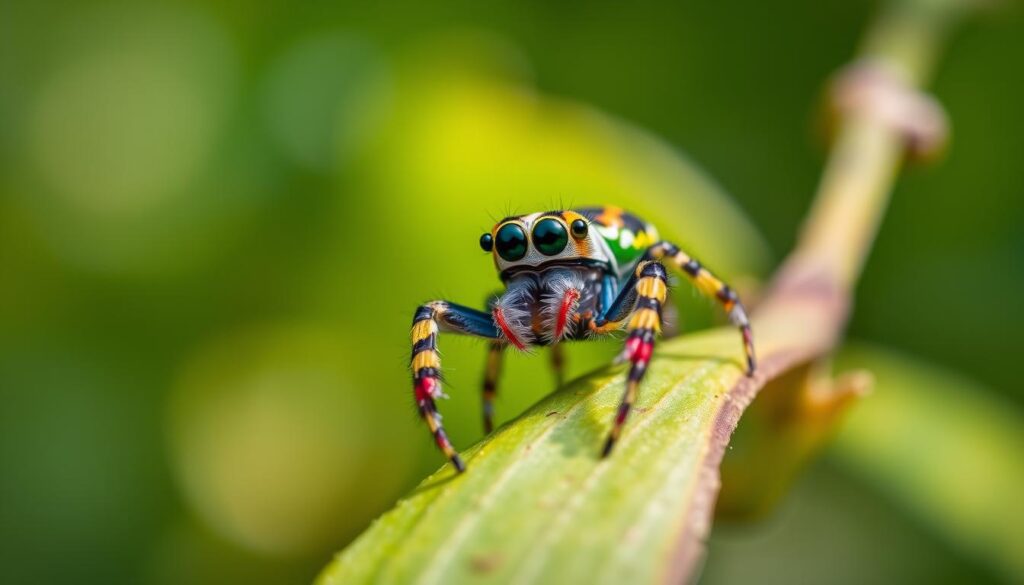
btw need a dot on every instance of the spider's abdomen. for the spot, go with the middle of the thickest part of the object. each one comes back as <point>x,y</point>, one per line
<point>626,235</point>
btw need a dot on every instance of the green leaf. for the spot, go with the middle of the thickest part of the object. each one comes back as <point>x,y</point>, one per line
<point>537,502</point>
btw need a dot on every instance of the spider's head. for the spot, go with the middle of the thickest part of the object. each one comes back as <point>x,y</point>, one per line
<point>548,238</point>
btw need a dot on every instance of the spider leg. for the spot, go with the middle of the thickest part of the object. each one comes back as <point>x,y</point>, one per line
<point>429,320</point>
<point>709,285</point>
<point>558,363</point>
<point>495,353</point>
<point>641,300</point>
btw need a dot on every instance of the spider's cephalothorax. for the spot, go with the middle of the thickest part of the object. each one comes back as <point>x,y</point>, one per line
<point>568,275</point>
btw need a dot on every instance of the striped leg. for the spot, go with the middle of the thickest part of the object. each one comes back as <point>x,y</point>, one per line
<point>495,353</point>
<point>641,300</point>
<point>710,286</point>
<point>430,319</point>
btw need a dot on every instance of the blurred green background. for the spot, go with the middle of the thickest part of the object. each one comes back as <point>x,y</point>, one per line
<point>217,218</point>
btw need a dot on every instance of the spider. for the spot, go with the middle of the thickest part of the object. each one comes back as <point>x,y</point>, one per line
<point>568,275</point>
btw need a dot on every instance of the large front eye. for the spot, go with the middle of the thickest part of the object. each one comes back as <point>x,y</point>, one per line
<point>511,242</point>
<point>549,237</point>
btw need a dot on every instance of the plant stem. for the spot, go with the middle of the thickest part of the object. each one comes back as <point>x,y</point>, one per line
<point>803,316</point>
<point>794,419</point>
<point>537,502</point>
<point>855,187</point>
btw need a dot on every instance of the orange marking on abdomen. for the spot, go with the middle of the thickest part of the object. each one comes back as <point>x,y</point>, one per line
<point>611,216</point>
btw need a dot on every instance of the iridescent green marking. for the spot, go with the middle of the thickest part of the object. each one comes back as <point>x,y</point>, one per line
<point>626,245</point>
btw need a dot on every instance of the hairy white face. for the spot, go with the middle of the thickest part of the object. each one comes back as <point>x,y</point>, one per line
<point>542,238</point>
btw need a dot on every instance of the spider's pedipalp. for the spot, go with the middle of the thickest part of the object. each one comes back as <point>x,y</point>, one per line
<point>512,312</point>
<point>559,302</point>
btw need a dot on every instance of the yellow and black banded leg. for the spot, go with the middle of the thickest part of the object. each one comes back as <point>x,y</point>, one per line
<point>492,370</point>
<point>709,285</point>
<point>641,301</point>
<point>430,319</point>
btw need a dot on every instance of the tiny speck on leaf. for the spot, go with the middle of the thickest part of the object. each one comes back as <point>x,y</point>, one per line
<point>485,563</point>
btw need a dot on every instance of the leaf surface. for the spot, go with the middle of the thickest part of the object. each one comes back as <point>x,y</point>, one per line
<point>538,504</point>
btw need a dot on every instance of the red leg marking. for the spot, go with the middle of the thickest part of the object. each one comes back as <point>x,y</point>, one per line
<point>425,388</point>
<point>499,317</point>
<point>568,301</point>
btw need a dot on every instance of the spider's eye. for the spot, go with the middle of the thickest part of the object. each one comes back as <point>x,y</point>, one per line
<point>579,229</point>
<point>549,237</point>
<point>511,242</point>
<point>486,242</point>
